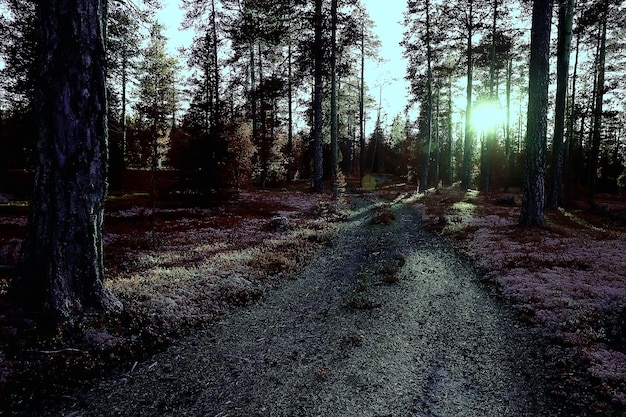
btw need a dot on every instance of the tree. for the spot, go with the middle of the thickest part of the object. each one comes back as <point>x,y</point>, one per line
<point>566,18</point>
<point>157,93</point>
<point>419,19</point>
<point>123,48</point>
<point>61,266</point>
<point>469,22</point>
<point>318,57</point>
<point>532,213</point>
<point>334,129</point>
<point>599,96</point>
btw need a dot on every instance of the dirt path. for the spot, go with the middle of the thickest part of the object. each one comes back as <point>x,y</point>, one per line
<point>337,341</point>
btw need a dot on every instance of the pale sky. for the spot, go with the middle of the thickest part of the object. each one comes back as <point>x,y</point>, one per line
<point>387,16</point>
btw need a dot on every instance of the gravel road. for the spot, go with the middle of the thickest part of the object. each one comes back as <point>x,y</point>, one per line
<point>339,341</point>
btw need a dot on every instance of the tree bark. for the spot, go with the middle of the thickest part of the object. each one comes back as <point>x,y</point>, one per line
<point>61,267</point>
<point>532,213</point>
<point>566,18</point>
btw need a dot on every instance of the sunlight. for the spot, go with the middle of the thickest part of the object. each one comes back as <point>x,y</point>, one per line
<point>487,115</point>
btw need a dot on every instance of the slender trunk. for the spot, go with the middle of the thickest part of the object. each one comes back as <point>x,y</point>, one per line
<point>532,213</point>
<point>571,154</point>
<point>253,98</point>
<point>468,146</point>
<point>597,124</point>
<point>290,116</point>
<point>3,150</point>
<point>437,142</point>
<point>449,132</point>
<point>490,135</point>
<point>566,18</point>
<point>318,145</point>
<point>123,116</point>
<point>429,105</point>
<point>61,267</point>
<point>507,140</point>
<point>217,116</point>
<point>362,107</point>
<point>333,102</point>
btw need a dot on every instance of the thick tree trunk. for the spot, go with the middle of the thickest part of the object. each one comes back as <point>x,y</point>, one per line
<point>61,268</point>
<point>566,18</point>
<point>318,144</point>
<point>532,213</point>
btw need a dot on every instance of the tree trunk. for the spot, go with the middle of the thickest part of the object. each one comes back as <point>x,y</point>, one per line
<point>318,145</point>
<point>566,18</point>
<point>572,148</point>
<point>429,106</point>
<point>123,145</point>
<point>490,136</point>
<point>507,139</point>
<point>290,116</point>
<point>532,213</point>
<point>449,132</point>
<point>468,146</point>
<point>437,141</point>
<point>597,114</point>
<point>61,267</point>
<point>362,107</point>
<point>217,116</point>
<point>334,133</point>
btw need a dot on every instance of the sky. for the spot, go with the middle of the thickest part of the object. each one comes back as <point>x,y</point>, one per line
<point>386,77</point>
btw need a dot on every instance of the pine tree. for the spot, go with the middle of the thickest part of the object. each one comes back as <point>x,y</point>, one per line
<point>532,213</point>
<point>61,268</point>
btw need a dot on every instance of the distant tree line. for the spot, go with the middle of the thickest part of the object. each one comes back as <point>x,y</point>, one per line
<point>260,79</point>
<point>275,91</point>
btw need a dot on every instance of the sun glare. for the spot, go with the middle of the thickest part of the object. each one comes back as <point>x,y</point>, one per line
<point>487,115</point>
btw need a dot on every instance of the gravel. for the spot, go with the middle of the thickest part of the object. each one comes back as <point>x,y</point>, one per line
<point>386,321</point>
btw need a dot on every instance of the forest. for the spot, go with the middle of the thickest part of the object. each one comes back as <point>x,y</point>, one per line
<point>130,173</point>
<point>245,104</point>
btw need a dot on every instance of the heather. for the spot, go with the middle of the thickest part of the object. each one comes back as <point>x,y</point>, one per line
<point>569,278</point>
<point>174,269</point>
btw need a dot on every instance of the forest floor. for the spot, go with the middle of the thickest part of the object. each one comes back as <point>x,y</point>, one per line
<point>280,303</point>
